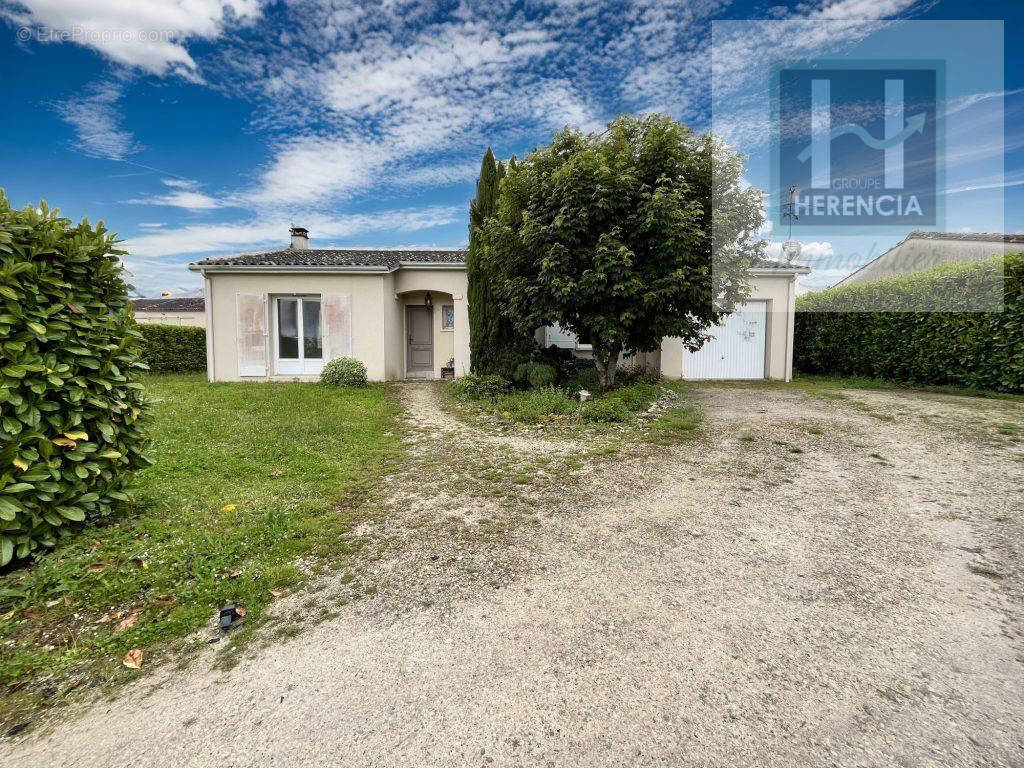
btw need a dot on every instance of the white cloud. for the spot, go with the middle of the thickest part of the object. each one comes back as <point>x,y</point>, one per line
<point>148,34</point>
<point>262,233</point>
<point>390,110</point>
<point>184,193</point>
<point>94,115</point>
<point>809,252</point>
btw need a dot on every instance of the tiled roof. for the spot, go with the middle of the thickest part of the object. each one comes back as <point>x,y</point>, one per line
<point>772,264</point>
<point>183,304</point>
<point>984,237</point>
<point>336,257</point>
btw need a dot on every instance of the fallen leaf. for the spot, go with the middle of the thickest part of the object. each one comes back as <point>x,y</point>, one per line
<point>133,659</point>
<point>98,567</point>
<point>7,615</point>
<point>229,508</point>
<point>277,473</point>
<point>127,623</point>
<point>234,574</point>
<point>276,592</point>
<point>141,562</point>
<point>166,600</point>
<point>240,611</point>
<point>52,603</point>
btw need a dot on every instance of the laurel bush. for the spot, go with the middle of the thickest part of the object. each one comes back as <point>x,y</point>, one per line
<point>72,409</point>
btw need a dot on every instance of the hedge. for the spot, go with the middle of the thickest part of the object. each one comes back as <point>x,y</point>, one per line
<point>173,348</point>
<point>975,350</point>
<point>73,409</point>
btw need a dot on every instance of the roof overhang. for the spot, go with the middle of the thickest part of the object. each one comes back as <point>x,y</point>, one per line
<point>326,268</point>
<point>292,270</point>
<point>432,265</point>
<point>779,271</point>
<point>417,265</point>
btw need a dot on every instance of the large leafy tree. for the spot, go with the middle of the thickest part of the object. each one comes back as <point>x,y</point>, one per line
<point>495,344</point>
<point>612,237</point>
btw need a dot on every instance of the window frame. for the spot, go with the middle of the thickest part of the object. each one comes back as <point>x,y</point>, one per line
<point>301,365</point>
<point>450,328</point>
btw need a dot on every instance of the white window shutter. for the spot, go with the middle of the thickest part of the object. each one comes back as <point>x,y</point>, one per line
<point>251,333</point>
<point>337,315</point>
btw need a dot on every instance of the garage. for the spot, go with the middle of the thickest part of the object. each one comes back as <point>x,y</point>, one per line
<point>737,349</point>
<point>754,342</point>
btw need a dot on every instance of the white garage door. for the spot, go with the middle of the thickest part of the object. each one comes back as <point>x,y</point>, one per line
<point>737,349</point>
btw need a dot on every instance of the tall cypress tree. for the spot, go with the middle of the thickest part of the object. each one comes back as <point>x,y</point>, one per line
<point>494,344</point>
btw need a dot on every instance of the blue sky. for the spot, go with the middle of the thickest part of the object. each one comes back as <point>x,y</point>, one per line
<point>201,127</point>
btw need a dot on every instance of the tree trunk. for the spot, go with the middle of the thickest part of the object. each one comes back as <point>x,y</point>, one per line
<point>607,362</point>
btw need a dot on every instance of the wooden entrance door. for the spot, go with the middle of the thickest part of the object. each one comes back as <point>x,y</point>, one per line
<point>419,323</point>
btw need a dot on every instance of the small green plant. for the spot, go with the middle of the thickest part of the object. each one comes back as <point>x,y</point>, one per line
<point>636,395</point>
<point>476,387</point>
<point>676,425</point>
<point>344,372</point>
<point>604,410</point>
<point>533,406</point>
<point>537,375</point>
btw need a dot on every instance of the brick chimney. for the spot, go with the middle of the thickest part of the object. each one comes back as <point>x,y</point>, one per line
<point>300,238</point>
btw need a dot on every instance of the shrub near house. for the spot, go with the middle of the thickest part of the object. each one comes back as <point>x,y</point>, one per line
<point>71,428</point>
<point>173,348</point>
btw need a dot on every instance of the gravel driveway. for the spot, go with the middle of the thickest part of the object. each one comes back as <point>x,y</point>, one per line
<point>814,581</point>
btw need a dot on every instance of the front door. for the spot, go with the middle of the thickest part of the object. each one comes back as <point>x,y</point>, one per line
<point>419,322</point>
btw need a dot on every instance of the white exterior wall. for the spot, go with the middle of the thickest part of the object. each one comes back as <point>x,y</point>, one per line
<point>378,303</point>
<point>780,293</point>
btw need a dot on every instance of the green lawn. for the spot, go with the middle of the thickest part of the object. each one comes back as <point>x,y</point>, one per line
<point>248,478</point>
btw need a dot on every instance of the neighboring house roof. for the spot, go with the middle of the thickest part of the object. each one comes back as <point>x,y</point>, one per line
<point>920,250</point>
<point>982,237</point>
<point>183,304</point>
<point>341,258</point>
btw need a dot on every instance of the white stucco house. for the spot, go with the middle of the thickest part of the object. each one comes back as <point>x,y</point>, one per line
<point>279,315</point>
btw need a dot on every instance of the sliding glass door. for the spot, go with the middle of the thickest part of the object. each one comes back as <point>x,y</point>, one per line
<point>298,339</point>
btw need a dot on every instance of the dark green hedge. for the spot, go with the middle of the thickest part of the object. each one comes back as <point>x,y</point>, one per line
<point>977,350</point>
<point>173,348</point>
